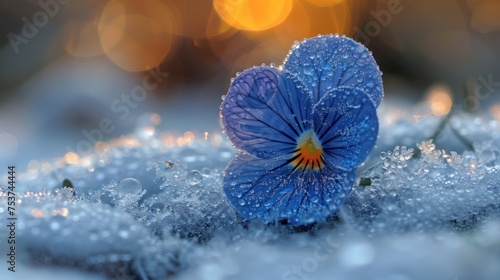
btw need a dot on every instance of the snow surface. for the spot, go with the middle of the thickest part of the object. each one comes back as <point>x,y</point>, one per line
<point>150,206</point>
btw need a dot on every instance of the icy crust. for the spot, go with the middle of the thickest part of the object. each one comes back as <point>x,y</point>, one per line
<point>136,208</point>
<point>152,208</point>
<point>435,191</point>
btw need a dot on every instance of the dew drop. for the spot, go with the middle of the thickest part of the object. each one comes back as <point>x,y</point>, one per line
<point>239,194</point>
<point>206,171</point>
<point>383,155</point>
<point>214,198</point>
<point>376,182</point>
<point>194,177</point>
<point>129,186</point>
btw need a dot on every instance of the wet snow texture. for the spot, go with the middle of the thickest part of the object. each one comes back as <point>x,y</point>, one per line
<point>157,210</point>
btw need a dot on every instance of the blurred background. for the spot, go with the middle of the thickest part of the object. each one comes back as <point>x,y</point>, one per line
<point>74,74</point>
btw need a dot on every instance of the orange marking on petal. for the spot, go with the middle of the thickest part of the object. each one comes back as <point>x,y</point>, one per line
<point>309,152</point>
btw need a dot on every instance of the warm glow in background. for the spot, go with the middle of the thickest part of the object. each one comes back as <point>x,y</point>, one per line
<point>89,53</point>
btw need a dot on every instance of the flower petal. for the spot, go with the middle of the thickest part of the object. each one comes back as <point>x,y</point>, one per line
<point>326,62</point>
<point>265,111</point>
<point>268,190</point>
<point>346,123</point>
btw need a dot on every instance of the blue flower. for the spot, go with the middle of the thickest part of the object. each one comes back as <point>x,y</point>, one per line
<point>301,129</point>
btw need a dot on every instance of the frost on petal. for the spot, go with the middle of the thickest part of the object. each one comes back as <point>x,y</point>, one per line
<point>326,62</point>
<point>268,190</point>
<point>265,111</point>
<point>346,123</point>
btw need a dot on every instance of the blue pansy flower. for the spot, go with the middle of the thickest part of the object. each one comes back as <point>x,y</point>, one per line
<point>301,129</point>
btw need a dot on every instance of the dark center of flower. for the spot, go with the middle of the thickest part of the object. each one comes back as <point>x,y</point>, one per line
<point>309,153</point>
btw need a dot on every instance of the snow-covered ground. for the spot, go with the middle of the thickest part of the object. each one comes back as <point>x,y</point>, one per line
<point>150,206</point>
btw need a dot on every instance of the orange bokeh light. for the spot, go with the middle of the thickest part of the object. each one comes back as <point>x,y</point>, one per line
<point>485,17</point>
<point>495,111</point>
<point>296,26</point>
<point>137,36</point>
<point>37,213</point>
<point>334,19</point>
<point>217,27</point>
<point>254,15</point>
<point>71,158</point>
<point>325,3</point>
<point>439,98</point>
<point>83,39</point>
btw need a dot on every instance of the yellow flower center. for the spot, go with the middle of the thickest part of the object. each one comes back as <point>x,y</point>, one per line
<point>309,152</point>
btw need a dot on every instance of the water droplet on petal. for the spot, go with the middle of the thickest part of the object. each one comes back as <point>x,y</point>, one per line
<point>241,201</point>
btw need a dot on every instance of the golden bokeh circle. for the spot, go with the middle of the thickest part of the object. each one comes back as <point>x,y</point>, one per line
<point>136,35</point>
<point>254,15</point>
